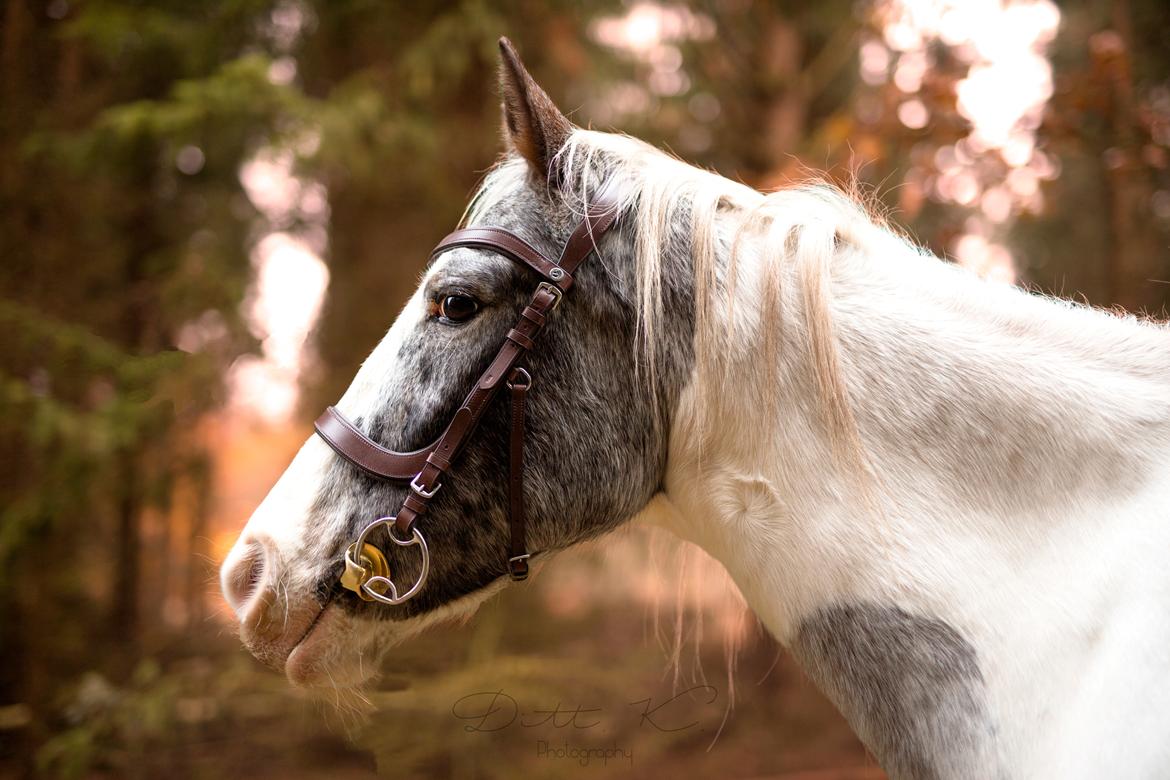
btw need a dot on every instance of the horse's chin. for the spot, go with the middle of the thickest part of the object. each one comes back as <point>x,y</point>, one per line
<point>340,650</point>
<point>326,656</point>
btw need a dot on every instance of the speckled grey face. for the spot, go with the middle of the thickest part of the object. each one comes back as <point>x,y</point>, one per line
<point>593,452</point>
<point>596,430</point>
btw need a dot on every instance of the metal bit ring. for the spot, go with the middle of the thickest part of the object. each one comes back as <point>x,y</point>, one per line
<point>386,583</point>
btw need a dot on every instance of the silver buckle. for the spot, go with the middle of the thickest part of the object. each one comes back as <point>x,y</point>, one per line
<point>417,488</point>
<point>553,290</point>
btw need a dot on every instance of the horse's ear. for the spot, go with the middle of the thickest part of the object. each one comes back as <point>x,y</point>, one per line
<point>533,125</point>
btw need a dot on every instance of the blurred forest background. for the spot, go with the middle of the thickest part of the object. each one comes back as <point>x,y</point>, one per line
<point>211,211</point>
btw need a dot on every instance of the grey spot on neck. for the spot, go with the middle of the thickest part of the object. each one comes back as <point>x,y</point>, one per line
<point>910,686</point>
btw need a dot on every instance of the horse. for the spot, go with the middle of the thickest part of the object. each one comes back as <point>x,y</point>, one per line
<point>948,498</point>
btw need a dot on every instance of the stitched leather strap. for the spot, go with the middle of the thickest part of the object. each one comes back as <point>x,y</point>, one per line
<point>518,384</point>
<point>365,453</point>
<point>516,248</point>
<point>451,443</point>
<point>600,217</point>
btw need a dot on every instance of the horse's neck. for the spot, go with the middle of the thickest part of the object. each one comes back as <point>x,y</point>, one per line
<point>1016,523</point>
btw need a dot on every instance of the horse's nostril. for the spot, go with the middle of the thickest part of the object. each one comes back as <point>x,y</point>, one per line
<point>243,574</point>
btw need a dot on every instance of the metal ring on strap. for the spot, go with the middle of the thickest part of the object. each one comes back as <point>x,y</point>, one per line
<point>372,586</point>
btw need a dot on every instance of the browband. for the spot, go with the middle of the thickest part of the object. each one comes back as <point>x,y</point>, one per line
<point>424,468</point>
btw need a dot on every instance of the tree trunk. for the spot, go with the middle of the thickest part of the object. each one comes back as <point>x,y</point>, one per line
<point>127,569</point>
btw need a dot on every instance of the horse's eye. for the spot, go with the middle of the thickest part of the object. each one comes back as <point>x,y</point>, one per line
<point>458,308</point>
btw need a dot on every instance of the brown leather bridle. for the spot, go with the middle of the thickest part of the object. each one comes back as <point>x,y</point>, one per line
<point>366,571</point>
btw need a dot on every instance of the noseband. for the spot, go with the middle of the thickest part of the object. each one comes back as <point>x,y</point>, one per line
<point>366,570</point>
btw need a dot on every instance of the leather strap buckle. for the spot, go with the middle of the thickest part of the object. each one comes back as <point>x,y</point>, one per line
<point>518,567</point>
<point>552,290</point>
<point>420,490</point>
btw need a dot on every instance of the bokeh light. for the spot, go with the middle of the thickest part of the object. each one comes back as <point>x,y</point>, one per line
<point>996,168</point>
<point>290,284</point>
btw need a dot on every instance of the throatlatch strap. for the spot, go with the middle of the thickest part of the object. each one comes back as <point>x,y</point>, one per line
<point>518,384</point>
